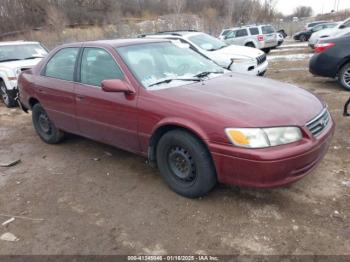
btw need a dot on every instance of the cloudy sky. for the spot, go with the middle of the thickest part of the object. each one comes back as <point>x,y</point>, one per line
<point>287,6</point>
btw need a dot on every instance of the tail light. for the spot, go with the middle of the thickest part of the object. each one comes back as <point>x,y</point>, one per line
<point>260,38</point>
<point>320,48</point>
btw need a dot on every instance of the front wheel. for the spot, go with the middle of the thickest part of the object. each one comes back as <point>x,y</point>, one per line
<point>185,164</point>
<point>267,50</point>
<point>344,76</point>
<point>46,130</point>
<point>7,96</point>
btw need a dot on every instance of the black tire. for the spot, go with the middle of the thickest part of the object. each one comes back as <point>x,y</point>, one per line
<point>344,76</point>
<point>250,45</point>
<point>46,130</point>
<point>267,50</point>
<point>185,164</point>
<point>303,38</point>
<point>7,97</point>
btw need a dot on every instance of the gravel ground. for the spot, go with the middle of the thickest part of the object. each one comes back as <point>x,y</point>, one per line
<point>82,197</point>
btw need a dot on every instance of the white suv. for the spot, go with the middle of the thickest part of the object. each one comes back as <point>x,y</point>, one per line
<point>15,57</point>
<point>238,59</point>
<point>263,37</point>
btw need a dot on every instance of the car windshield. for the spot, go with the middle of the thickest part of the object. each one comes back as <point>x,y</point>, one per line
<point>21,52</point>
<point>207,42</point>
<point>165,65</point>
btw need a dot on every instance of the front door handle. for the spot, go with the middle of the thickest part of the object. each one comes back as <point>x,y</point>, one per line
<point>80,97</point>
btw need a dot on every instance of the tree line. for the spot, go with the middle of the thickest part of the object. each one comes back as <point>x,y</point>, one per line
<point>29,14</point>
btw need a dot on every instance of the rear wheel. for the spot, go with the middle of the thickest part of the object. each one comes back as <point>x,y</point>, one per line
<point>250,45</point>
<point>185,164</point>
<point>7,96</point>
<point>46,130</point>
<point>344,76</point>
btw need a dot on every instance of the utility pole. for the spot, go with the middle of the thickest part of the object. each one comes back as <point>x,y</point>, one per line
<point>338,5</point>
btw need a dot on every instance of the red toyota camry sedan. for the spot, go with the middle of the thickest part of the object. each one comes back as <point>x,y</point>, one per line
<point>198,122</point>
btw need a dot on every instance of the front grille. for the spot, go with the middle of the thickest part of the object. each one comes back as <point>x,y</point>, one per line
<point>261,59</point>
<point>319,123</point>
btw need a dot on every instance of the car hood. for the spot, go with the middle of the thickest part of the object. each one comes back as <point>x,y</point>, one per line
<point>21,64</point>
<point>325,32</point>
<point>245,101</point>
<point>235,50</point>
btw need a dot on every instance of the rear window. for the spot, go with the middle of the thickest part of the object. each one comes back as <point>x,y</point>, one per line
<point>268,29</point>
<point>254,31</point>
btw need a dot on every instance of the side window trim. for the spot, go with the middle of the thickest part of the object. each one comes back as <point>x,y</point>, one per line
<point>80,59</point>
<point>43,70</point>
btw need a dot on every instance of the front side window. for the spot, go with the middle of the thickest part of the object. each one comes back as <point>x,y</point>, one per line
<point>268,30</point>
<point>207,42</point>
<point>153,63</point>
<point>98,65</point>
<point>21,52</point>
<point>226,32</point>
<point>62,64</point>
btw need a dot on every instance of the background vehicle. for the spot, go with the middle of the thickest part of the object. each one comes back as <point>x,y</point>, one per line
<point>283,33</point>
<point>280,39</point>
<point>263,37</point>
<point>313,24</point>
<point>332,59</point>
<point>305,35</point>
<point>196,121</point>
<point>330,32</point>
<point>238,59</point>
<point>14,58</point>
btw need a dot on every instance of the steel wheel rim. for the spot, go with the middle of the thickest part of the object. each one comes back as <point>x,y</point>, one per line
<point>346,77</point>
<point>181,164</point>
<point>4,94</point>
<point>44,123</point>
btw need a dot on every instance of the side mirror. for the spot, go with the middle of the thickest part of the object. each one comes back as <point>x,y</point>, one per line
<point>116,86</point>
<point>342,27</point>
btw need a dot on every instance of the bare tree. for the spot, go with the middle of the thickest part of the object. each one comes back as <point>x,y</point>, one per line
<point>303,11</point>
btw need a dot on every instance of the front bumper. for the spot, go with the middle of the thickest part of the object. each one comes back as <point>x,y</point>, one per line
<point>272,167</point>
<point>252,69</point>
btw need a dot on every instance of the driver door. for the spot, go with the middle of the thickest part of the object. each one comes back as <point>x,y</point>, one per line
<point>107,117</point>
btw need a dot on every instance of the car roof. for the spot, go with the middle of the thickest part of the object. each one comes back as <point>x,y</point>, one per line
<point>117,42</point>
<point>17,43</point>
<point>245,27</point>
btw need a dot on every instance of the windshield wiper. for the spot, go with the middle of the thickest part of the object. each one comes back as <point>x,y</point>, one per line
<point>33,57</point>
<point>9,60</point>
<point>167,81</point>
<point>215,49</point>
<point>205,74</point>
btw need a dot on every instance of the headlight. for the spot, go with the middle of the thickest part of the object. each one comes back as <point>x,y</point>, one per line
<point>263,137</point>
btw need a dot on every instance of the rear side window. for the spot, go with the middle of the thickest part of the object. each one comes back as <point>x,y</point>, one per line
<point>62,64</point>
<point>98,65</point>
<point>254,31</point>
<point>268,30</point>
<point>241,33</point>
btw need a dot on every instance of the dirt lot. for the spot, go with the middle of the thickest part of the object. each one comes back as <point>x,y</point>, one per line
<point>95,199</point>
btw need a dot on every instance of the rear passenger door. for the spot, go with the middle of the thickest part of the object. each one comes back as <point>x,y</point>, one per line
<point>237,37</point>
<point>55,88</point>
<point>107,117</point>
